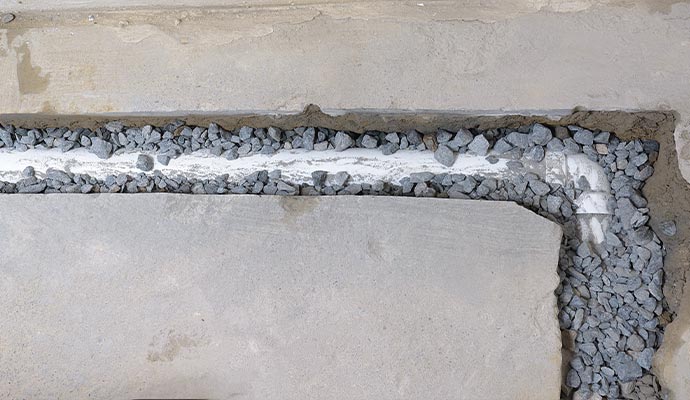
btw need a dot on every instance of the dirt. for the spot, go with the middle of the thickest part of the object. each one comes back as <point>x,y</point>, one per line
<point>667,192</point>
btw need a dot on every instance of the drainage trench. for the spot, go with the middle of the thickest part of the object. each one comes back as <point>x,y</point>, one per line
<point>611,306</point>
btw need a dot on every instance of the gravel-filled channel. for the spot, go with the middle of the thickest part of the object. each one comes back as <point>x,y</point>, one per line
<point>610,298</point>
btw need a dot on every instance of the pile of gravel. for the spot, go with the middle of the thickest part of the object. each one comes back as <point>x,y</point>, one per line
<point>175,139</point>
<point>610,299</point>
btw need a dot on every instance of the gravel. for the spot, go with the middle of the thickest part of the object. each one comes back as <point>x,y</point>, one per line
<point>145,162</point>
<point>101,148</point>
<point>584,137</point>
<point>479,145</point>
<point>540,135</point>
<point>610,297</point>
<point>343,141</point>
<point>369,142</point>
<point>176,139</point>
<point>163,159</point>
<point>463,138</point>
<point>444,155</point>
<point>668,228</point>
<point>389,148</point>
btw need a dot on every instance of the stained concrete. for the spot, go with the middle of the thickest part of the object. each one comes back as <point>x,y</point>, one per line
<point>267,56</point>
<point>156,296</point>
<point>672,361</point>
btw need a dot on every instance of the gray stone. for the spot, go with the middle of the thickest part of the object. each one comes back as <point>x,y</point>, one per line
<point>341,178</point>
<point>479,145</point>
<point>246,148</point>
<point>246,133</point>
<point>467,185</point>
<point>540,135</point>
<point>518,139</point>
<point>163,159</point>
<point>272,315</point>
<point>35,188</point>
<point>644,359</point>
<point>571,147</point>
<point>423,190</point>
<point>114,126</point>
<point>643,235</point>
<point>57,175</point>
<point>463,138</point>
<point>393,138</point>
<point>584,137</point>
<point>308,138</point>
<point>668,228</point>
<point>514,164</point>
<point>554,204</point>
<point>323,146</point>
<point>602,137</point>
<point>101,148</point>
<point>644,173</point>
<point>275,134</point>
<point>413,137</point>
<point>502,146</point>
<point>319,177</point>
<point>28,172</point>
<point>588,348</point>
<point>389,148</point>
<point>284,187</point>
<point>555,145</point>
<point>6,138</point>
<point>535,153</point>
<point>626,368</point>
<point>420,177</point>
<point>443,136</point>
<point>145,162</point>
<point>342,141</point>
<point>539,188</point>
<point>635,343</point>
<point>370,142</point>
<point>572,379</point>
<point>232,154</point>
<point>444,155</point>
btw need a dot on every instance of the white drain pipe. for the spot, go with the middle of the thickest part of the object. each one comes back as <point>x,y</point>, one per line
<point>363,165</point>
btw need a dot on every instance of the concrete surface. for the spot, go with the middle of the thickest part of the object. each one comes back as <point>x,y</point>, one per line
<point>266,56</point>
<point>203,56</point>
<point>672,361</point>
<point>276,298</point>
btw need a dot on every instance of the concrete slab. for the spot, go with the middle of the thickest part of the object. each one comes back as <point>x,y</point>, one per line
<point>672,361</point>
<point>266,56</point>
<point>276,298</point>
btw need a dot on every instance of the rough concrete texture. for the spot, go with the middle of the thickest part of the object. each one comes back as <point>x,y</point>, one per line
<point>672,361</point>
<point>263,56</point>
<point>273,297</point>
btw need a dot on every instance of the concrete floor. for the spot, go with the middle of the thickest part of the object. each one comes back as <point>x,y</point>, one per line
<point>213,57</point>
<point>174,296</point>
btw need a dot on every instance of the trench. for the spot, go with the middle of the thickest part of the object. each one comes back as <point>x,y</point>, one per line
<point>406,172</point>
